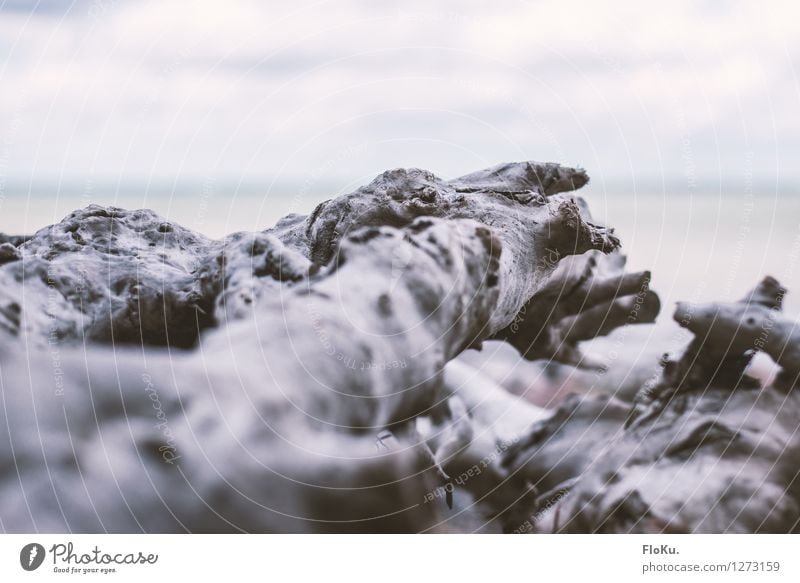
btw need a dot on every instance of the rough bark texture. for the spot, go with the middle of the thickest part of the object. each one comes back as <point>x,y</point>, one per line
<point>108,275</point>
<point>314,337</point>
<point>111,275</point>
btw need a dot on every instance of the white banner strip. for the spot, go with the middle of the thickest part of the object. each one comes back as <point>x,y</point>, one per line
<point>379,558</point>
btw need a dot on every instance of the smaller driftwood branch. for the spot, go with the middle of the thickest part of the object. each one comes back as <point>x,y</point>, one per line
<point>705,448</point>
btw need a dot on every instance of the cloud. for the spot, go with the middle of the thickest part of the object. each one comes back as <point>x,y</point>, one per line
<point>258,91</point>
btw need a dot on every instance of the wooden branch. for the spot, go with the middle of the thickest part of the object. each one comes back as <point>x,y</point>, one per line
<point>585,297</point>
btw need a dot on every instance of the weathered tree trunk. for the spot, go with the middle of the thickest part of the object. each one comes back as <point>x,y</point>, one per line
<point>314,337</point>
<point>316,384</point>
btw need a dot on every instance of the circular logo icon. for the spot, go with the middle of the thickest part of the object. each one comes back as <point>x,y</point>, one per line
<point>31,556</point>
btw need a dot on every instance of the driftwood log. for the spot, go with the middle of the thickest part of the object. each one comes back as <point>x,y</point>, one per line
<point>307,378</point>
<point>156,380</point>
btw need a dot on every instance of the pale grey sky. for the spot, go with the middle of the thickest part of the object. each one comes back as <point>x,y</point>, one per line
<point>319,93</point>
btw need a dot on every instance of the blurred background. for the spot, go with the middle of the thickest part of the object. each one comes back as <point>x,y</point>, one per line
<point>226,116</point>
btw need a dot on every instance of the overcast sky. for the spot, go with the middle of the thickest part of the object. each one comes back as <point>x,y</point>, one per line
<point>319,93</point>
